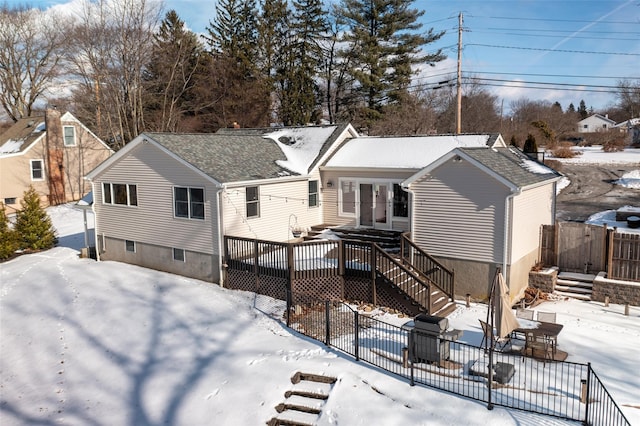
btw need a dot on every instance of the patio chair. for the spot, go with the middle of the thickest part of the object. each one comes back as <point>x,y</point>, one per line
<point>539,346</point>
<point>547,317</point>
<point>526,314</point>
<point>501,342</point>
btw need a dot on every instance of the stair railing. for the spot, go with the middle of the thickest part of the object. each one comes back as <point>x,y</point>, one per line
<point>418,259</point>
<point>402,277</point>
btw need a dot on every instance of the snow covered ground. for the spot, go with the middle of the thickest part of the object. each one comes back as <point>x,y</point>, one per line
<point>105,343</point>
<point>109,344</point>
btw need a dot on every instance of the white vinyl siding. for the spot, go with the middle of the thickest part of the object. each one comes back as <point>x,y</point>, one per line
<point>532,209</point>
<point>458,212</point>
<point>282,205</point>
<point>156,175</point>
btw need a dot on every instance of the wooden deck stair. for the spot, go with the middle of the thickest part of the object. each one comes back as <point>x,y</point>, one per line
<point>574,285</point>
<point>304,401</point>
<point>442,304</point>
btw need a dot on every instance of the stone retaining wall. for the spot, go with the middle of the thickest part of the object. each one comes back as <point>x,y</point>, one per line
<point>544,280</point>
<point>619,292</point>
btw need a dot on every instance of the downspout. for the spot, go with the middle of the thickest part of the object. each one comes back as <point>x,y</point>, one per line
<point>95,221</point>
<point>506,250</point>
<point>221,266</point>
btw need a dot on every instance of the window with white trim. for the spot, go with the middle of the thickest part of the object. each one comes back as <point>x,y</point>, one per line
<point>178,255</point>
<point>188,202</point>
<point>313,193</point>
<point>252,197</point>
<point>122,194</point>
<point>69,135</point>
<point>347,198</point>
<point>37,170</point>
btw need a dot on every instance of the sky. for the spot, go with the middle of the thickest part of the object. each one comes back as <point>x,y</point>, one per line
<point>556,51</point>
<point>106,343</point>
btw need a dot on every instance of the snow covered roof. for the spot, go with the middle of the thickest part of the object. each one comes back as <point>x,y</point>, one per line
<point>405,152</point>
<point>19,137</point>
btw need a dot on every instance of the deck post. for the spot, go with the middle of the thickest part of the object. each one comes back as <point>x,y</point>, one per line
<point>374,268</point>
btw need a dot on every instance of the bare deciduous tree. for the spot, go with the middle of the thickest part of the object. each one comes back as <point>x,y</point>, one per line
<point>112,44</point>
<point>31,43</point>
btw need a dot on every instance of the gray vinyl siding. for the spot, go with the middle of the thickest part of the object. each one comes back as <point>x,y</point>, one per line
<point>532,209</point>
<point>458,212</point>
<point>155,173</point>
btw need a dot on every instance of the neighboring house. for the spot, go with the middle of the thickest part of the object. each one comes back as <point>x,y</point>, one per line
<point>51,152</point>
<point>632,128</point>
<point>165,200</point>
<point>476,209</point>
<point>595,123</point>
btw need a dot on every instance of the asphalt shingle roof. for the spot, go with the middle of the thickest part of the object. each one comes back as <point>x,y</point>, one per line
<point>19,137</point>
<point>226,157</point>
<point>512,165</point>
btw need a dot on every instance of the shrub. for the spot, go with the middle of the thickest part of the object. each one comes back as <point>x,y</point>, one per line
<point>33,224</point>
<point>614,145</point>
<point>564,152</point>
<point>554,164</point>
<point>8,237</point>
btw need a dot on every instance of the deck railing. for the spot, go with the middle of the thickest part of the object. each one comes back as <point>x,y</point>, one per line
<point>427,265</point>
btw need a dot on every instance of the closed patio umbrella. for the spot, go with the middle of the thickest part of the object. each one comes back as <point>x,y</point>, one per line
<point>504,319</point>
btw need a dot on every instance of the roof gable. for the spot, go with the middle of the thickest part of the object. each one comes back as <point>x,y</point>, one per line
<point>508,165</point>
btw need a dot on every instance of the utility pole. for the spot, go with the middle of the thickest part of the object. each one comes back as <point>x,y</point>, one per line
<point>459,82</point>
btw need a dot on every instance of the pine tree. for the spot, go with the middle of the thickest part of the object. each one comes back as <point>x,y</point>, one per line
<point>237,87</point>
<point>383,45</point>
<point>530,145</point>
<point>8,240</point>
<point>171,76</point>
<point>582,110</point>
<point>33,225</point>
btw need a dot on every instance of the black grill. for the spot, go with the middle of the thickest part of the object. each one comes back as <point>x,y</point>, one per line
<point>429,339</point>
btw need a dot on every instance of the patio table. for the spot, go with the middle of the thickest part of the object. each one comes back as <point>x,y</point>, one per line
<point>547,330</point>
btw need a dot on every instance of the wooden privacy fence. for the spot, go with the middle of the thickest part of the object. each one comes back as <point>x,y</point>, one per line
<point>590,249</point>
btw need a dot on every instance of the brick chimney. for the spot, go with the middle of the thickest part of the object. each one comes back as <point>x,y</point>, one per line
<point>55,157</point>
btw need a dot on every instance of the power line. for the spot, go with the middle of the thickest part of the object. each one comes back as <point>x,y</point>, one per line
<point>558,36</point>
<point>559,75</point>
<point>558,20</point>
<point>554,50</point>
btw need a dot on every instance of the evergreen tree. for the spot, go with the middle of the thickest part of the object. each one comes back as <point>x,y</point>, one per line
<point>530,145</point>
<point>33,225</point>
<point>383,45</point>
<point>8,238</point>
<point>296,78</point>
<point>582,110</point>
<point>238,91</point>
<point>171,76</point>
<point>571,108</point>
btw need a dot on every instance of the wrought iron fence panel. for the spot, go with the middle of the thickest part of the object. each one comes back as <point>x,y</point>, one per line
<point>602,409</point>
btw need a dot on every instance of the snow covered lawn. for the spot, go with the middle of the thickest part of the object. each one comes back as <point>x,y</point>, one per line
<point>107,343</point>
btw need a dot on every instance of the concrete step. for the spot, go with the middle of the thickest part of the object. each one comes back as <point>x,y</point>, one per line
<point>577,284</point>
<point>578,296</point>
<point>575,276</point>
<point>574,289</point>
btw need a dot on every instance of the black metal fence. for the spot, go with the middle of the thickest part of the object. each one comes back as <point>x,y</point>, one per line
<point>561,389</point>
